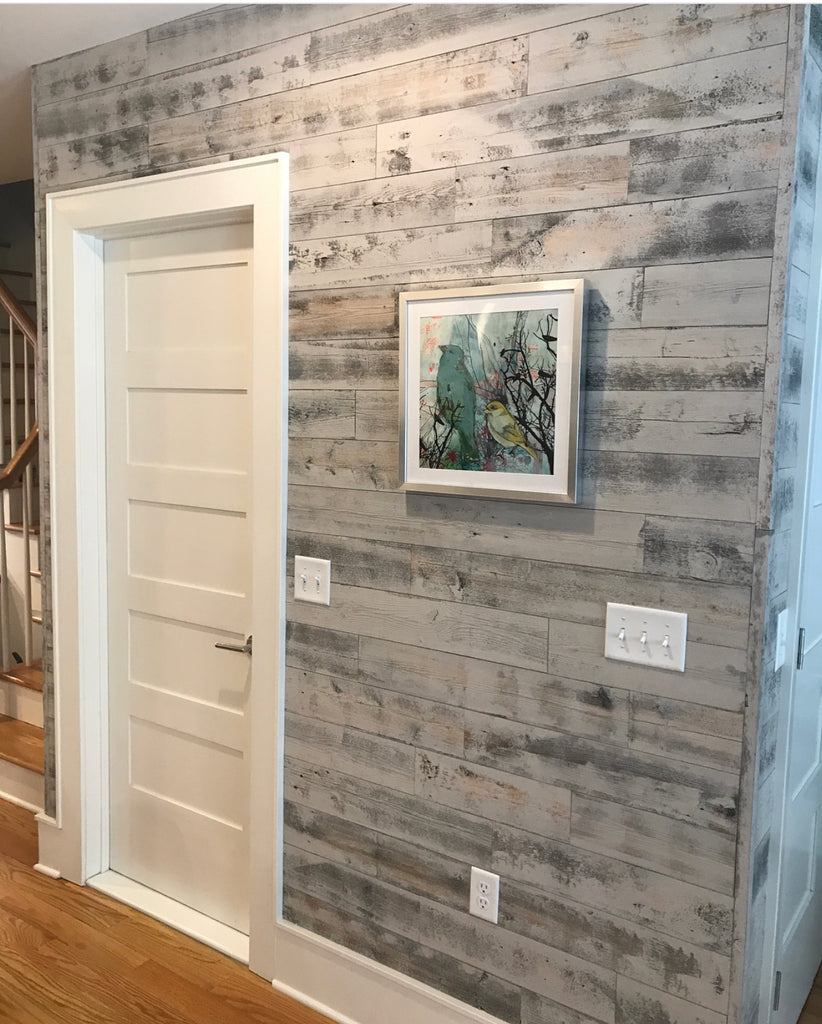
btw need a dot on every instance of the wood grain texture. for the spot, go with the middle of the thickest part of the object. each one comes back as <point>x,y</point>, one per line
<point>453,706</point>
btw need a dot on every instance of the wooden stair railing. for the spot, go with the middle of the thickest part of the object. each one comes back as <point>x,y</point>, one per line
<point>19,437</point>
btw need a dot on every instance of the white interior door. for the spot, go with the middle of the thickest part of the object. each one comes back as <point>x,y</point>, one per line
<point>178,366</point>
<point>799,910</point>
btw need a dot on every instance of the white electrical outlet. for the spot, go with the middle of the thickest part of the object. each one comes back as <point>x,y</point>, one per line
<point>646,636</point>
<point>484,898</point>
<point>312,579</point>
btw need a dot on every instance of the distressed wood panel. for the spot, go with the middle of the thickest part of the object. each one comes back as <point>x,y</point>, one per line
<point>692,747</point>
<point>539,1010</point>
<point>316,649</point>
<point>676,358</point>
<point>361,464</point>
<point>499,795</point>
<point>397,716</point>
<point>314,365</point>
<point>690,423</point>
<point>692,973</point>
<point>321,414</point>
<point>665,904</point>
<point>370,316</point>
<point>98,68</point>
<point>702,797</point>
<point>690,549</point>
<point>376,415</point>
<point>716,614</point>
<point>99,156</point>
<point>703,94</point>
<point>716,487</point>
<point>355,752</point>
<point>369,804</point>
<point>733,292</point>
<point>512,639</point>
<point>586,709</point>
<point>330,159</point>
<point>678,231</point>
<point>730,158</point>
<point>516,529</point>
<point>678,848</point>
<point>455,79</point>
<point>713,677</point>
<point>364,935</point>
<point>356,562</point>
<point>640,1004</point>
<point>658,36</point>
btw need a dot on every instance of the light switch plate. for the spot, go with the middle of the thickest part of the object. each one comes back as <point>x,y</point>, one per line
<point>312,579</point>
<point>646,636</point>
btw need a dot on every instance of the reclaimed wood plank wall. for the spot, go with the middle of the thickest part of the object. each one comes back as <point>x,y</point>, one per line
<point>452,706</point>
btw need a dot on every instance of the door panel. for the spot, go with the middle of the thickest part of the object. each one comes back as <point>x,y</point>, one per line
<point>178,357</point>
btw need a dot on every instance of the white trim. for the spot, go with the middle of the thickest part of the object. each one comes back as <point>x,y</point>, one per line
<point>190,922</point>
<point>78,222</point>
<point>44,869</point>
<point>11,792</point>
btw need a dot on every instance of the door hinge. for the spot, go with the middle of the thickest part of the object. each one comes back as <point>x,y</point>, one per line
<point>800,649</point>
<point>777,988</point>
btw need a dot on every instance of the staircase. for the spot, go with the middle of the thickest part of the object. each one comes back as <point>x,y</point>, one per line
<point>21,673</point>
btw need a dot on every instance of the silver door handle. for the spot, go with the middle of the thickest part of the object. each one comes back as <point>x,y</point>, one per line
<point>239,648</point>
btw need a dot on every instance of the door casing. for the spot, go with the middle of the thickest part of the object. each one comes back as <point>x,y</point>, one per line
<point>75,842</point>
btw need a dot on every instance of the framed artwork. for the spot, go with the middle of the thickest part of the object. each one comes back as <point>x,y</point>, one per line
<point>490,390</point>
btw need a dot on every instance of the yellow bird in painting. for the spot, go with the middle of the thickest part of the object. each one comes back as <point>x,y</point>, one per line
<point>505,429</point>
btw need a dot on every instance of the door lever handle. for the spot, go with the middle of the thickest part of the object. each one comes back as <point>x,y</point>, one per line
<point>245,648</point>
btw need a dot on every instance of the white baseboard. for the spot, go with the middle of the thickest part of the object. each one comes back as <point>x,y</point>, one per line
<point>190,922</point>
<point>21,786</point>
<point>44,869</point>
<point>351,989</point>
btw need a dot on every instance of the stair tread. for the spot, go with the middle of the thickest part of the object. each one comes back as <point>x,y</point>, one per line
<point>34,527</point>
<point>21,744</point>
<point>29,676</point>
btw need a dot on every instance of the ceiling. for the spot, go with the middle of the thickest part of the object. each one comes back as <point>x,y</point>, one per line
<point>31,33</point>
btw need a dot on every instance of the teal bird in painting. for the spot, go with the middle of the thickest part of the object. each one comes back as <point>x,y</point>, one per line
<point>457,400</point>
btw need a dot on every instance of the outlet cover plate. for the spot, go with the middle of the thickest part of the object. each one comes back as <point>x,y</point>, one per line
<point>312,579</point>
<point>664,633</point>
<point>484,898</point>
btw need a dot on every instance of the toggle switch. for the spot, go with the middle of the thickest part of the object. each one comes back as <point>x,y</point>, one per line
<point>312,579</point>
<point>646,636</point>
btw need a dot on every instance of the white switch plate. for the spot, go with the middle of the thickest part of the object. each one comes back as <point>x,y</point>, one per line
<point>646,636</point>
<point>781,639</point>
<point>312,579</point>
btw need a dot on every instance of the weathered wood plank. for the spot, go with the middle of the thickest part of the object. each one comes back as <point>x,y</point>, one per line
<point>601,539</point>
<point>377,415</point>
<point>99,67</point>
<point>702,94</point>
<point>330,837</point>
<point>676,359</point>
<point>658,901</point>
<point>731,292</point>
<point>716,614</point>
<point>100,156</point>
<point>370,315</point>
<point>396,716</point>
<point>316,365</point>
<point>690,549</point>
<point>715,677</point>
<point>731,158</point>
<point>361,464</point>
<point>577,179</point>
<point>497,795</point>
<point>371,206</point>
<point>716,487</point>
<point>539,1010</point>
<point>356,562</point>
<point>692,230</point>
<point>355,752</point>
<point>456,79</point>
<point>324,414</point>
<point>692,973</point>
<point>520,640</point>
<point>702,797</point>
<point>684,850</point>
<point>691,747</point>
<point>681,714</point>
<point>641,1004</point>
<point>370,804</point>
<point>585,709</point>
<point>648,38</point>
<point>317,649</point>
<point>364,935</point>
<point>690,423</point>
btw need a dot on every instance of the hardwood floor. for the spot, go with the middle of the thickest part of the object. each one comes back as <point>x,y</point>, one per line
<point>73,956</point>
<point>812,1011</point>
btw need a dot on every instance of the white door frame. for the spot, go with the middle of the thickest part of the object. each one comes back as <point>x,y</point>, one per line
<point>75,842</point>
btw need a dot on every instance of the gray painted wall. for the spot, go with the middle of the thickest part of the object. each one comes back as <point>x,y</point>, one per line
<point>452,706</point>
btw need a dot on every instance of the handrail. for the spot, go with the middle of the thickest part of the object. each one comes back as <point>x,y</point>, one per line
<point>19,315</point>
<point>14,469</point>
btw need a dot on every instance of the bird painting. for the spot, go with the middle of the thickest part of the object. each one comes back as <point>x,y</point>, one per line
<point>457,400</point>
<point>504,428</point>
